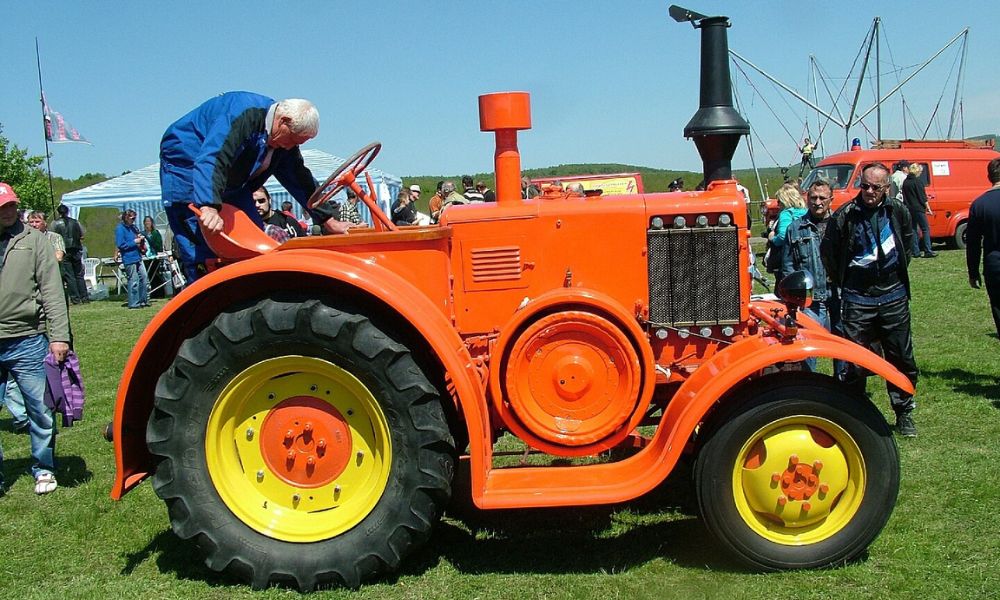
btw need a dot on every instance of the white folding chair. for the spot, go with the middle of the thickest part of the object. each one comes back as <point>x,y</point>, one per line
<point>90,271</point>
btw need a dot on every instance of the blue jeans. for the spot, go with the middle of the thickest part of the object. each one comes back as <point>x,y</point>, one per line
<point>14,402</point>
<point>919,219</point>
<point>22,357</point>
<point>138,285</point>
<point>827,314</point>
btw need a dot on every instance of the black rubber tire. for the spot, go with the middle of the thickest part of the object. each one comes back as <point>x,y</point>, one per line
<point>809,395</point>
<point>959,240</point>
<point>423,453</point>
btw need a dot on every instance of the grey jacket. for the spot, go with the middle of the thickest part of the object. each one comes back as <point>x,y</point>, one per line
<point>31,291</point>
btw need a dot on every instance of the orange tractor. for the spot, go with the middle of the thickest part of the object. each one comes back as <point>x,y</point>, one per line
<point>303,410</point>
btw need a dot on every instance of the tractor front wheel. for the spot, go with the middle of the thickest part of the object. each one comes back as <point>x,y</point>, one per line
<point>300,445</point>
<point>802,475</point>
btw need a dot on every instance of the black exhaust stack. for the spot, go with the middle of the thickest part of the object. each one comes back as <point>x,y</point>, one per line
<point>716,127</point>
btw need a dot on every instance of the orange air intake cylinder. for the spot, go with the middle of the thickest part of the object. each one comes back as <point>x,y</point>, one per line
<point>504,113</point>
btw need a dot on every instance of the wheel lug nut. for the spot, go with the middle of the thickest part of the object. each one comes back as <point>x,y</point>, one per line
<point>361,455</point>
<point>775,477</point>
<point>818,465</point>
<point>806,507</point>
<point>296,498</point>
<point>289,436</point>
<point>260,475</point>
<point>824,488</point>
<point>291,455</point>
<point>336,490</point>
<point>307,427</point>
<point>782,500</point>
<point>311,461</point>
<point>249,433</point>
<point>793,459</point>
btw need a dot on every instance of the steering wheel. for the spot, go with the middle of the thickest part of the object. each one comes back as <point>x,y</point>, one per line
<point>345,175</point>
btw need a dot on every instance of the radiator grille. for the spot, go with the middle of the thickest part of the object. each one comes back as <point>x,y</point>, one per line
<point>694,276</point>
<point>499,263</point>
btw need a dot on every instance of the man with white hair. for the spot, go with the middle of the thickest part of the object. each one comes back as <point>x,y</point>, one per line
<point>224,150</point>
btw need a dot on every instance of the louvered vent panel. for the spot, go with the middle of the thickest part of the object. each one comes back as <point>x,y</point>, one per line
<point>499,263</point>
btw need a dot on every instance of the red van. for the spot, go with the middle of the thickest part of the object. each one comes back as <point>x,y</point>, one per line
<point>954,175</point>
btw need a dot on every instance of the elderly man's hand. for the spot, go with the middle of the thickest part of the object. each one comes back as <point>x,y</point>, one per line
<point>59,350</point>
<point>335,226</point>
<point>210,219</point>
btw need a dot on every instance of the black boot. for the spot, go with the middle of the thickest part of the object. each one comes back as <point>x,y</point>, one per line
<point>905,425</point>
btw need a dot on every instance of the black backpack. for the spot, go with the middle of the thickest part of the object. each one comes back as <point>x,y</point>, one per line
<point>772,258</point>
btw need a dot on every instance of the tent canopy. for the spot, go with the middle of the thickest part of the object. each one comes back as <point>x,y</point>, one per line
<point>140,189</point>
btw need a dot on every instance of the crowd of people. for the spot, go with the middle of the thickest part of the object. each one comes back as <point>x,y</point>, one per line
<point>859,258</point>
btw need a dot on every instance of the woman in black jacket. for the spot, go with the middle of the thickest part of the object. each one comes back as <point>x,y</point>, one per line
<point>915,199</point>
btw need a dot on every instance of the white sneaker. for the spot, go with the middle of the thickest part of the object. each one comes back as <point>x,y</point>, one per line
<point>45,483</point>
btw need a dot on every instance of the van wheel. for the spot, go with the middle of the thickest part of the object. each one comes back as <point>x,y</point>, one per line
<point>803,475</point>
<point>300,445</point>
<point>959,240</point>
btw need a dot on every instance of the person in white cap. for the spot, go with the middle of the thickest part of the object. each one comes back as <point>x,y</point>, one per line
<point>31,301</point>
<point>414,193</point>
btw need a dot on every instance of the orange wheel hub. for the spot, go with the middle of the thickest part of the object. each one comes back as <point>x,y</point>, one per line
<point>573,378</point>
<point>306,442</point>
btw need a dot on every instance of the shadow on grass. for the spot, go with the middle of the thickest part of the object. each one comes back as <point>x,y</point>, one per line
<point>603,539</point>
<point>983,385</point>
<point>176,556</point>
<point>71,471</point>
<point>587,539</point>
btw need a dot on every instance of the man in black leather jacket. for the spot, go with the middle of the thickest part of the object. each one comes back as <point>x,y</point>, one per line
<point>866,251</point>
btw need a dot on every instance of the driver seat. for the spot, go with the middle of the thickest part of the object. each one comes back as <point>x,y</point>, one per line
<point>240,236</point>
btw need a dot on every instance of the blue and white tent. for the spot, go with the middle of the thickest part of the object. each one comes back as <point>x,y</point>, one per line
<point>140,189</point>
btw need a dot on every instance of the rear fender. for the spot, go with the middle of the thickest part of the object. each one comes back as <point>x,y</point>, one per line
<point>315,270</point>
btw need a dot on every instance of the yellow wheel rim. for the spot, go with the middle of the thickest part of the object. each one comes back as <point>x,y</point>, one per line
<point>298,449</point>
<point>799,480</point>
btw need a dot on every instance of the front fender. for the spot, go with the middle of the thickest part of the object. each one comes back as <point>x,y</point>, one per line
<point>728,369</point>
<point>743,359</point>
<point>201,302</point>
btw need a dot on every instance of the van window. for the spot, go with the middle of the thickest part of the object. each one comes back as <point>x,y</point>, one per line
<point>836,175</point>
<point>925,175</point>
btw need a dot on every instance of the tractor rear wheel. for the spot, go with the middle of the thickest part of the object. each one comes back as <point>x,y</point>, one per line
<point>300,446</point>
<point>803,475</point>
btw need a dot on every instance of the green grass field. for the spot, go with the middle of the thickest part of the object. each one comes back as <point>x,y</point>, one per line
<point>941,542</point>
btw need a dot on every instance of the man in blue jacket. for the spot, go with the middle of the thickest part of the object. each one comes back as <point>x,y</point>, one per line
<point>131,245</point>
<point>224,150</point>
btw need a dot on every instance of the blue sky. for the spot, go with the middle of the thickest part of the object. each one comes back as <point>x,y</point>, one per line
<point>609,81</point>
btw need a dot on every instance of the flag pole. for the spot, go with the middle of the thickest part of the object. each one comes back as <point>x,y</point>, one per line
<point>45,132</point>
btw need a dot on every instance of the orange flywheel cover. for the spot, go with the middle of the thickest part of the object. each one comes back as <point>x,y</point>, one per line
<point>573,378</point>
